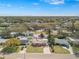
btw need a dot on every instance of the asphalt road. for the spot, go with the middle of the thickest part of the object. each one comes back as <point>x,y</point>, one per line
<point>40,56</point>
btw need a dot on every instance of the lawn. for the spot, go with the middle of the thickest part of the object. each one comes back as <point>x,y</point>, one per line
<point>60,50</point>
<point>1,58</point>
<point>75,49</point>
<point>31,49</point>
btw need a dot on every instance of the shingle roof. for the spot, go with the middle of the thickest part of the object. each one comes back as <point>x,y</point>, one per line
<point>61,41</point>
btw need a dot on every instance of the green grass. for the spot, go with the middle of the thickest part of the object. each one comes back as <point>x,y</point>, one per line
<point>31,49</point>
<point>1,58</point>
<point>60,50</point>
<point>75,49</point>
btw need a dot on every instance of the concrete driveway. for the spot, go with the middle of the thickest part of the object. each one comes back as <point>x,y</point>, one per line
<point>46,50</point>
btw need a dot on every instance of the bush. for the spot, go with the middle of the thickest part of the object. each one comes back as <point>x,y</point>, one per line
<point>10,49</point>
<point>1,58</point>
<point>61,36</point>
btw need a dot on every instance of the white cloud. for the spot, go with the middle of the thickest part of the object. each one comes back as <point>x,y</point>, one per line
<point>35,4</point>
<point>55,2</point>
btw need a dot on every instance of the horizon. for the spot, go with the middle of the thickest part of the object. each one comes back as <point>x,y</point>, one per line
<point>39,7</point>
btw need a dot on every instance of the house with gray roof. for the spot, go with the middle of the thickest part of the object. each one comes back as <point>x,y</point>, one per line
<point>24,40</point>
<point>62,42</point>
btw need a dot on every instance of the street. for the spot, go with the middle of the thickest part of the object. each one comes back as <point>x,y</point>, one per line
<point>40,56</point>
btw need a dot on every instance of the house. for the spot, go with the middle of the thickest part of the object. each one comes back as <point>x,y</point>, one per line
<point>54,32</point>
<point>61,42</point>
<point>13,34</point>
<point>23,40</point>
<point>2,40</point>
<point>39,42</point>
<point>73,40</point>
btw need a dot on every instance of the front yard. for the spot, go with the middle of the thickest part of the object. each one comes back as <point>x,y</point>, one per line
<point>31,49</point>
<point>60,50</point>
<point>75,48</point>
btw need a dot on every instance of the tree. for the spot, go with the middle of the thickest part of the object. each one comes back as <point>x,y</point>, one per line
<point>73,25</point>
<point>12,42</point>
<point>11,46</point>
<point>76,25</point>
<point>50,40</point>
<point>42,35</point>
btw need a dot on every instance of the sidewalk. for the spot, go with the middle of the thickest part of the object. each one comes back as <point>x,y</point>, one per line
<point>23,51</point>
<point>69,49</point>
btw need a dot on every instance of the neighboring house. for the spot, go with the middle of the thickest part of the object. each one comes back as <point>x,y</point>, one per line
<point>73,40</point>
<point>40,36</point>
<point>29,33</point>
<point>24,40</point>
<point>62,42</point>
<point>39,42</point>
<point>54,32</point>
<point>13,34</point>
<point>2,40</point>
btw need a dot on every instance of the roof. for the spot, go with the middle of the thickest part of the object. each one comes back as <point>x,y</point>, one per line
<point>3,40</point>
<point>22,38</point>
<point>39,41</point>
<point>61,41</point>
<point>24,41</point>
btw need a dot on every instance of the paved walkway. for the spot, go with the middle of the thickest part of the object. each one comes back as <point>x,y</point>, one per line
<point>46,50</point>
<point>23,51</point>
<point>69,49</point>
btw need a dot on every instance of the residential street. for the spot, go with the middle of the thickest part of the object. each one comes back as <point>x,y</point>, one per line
<point>39,56</point>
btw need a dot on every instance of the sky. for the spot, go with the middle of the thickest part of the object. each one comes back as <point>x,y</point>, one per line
<point>39,7</point>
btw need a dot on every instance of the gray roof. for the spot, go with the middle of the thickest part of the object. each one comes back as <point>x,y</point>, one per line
<point>23,39</point>
<point>61,41</point>
<point>3,40</point>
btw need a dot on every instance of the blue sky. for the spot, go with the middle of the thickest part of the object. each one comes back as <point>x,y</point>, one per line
<point>39,7</point>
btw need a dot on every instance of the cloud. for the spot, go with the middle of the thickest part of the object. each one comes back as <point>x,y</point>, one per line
<point>54,2</point>
<point>35,4</point>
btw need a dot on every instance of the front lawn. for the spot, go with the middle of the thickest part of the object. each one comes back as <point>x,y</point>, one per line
<point>75,48</point>
<point>60,50</point>
<point>12,49</point>
<point>1,58</point>
<point>31,49</point>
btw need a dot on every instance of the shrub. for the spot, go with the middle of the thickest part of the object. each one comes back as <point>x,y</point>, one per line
<point>10,49</point>
<point>1,58</point>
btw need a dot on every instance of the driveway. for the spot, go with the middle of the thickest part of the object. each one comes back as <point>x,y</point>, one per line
<point>23,51</point>
<point>46,50</point>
